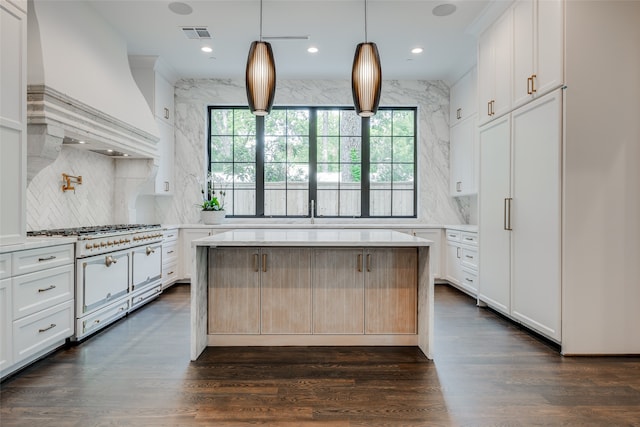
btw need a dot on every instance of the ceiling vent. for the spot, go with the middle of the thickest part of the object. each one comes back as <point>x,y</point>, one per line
<point>196,33</point>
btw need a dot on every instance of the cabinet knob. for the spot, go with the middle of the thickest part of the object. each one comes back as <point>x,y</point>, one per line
<point>166,113</point>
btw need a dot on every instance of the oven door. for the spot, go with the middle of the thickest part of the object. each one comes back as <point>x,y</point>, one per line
<point>147,265</point>
<point>101,279</point>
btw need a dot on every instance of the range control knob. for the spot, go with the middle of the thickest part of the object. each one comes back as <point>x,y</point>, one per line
<point>88,246</point>
<point>95,245</point>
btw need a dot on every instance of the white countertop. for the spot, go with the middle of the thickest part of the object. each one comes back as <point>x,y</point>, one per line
<point>318,224</point>
<point>319,237</point>
<point>37,242</point>
<point>463,227</point>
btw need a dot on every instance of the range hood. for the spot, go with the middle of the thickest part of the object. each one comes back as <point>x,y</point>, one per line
<point>80,89</point>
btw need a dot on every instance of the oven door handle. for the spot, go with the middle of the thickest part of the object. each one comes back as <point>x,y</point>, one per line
<point>109,260</point>
<point>150,251</point>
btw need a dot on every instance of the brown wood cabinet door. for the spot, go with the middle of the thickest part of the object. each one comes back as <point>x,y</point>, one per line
<point>338,291</point>
<point>234,291</point>
<point>391,286</point>
<point>286,290</point>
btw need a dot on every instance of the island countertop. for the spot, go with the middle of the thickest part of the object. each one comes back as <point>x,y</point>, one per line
<point>313,237</point>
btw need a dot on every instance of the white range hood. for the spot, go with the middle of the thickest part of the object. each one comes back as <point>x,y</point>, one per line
<point>80,88</point>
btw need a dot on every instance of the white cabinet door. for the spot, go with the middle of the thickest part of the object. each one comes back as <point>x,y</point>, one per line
<point>164,178</point>
<point>454,268</point>
<point>463,99</point>
<point>462,158</point>
<point>435,250</point>
<point>538,48</point>
<point>494,194</point>
<point>187,235</point>
<point>6,326</point>
<point>164,92</point>
<point>536,135</point>
<point>494,69</point>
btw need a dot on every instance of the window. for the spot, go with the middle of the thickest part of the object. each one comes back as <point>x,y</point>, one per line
<point>276,165</point>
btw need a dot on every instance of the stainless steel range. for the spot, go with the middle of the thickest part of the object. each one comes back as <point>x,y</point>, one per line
<point>118,269</point>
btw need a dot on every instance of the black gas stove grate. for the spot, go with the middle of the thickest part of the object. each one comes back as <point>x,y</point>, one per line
<point>91,230</point>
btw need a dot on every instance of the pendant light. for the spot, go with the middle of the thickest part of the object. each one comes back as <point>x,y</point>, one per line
<point>260,77</point>
<point>366,75</point>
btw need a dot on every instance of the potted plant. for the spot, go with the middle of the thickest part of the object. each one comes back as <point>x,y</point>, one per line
<point>212,203</point>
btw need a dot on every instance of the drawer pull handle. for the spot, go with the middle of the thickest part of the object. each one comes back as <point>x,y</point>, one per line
<point>457,252</point>
<point>469,256</point>
<point>452,235</point>
<point>468,280</point>
<point>51,326</point>
<point>49,258</point>
<point>96,321</point>
<point>368,262</point>
<point>150,251</point>
<point>468,238</point>
<point>110,260</point>
<point>170,273</point>
<point>360,262</point>
<point>47,289</point>
<point>169,252</point>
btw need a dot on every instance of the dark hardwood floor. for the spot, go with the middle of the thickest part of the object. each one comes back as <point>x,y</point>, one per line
<point>485,372</point>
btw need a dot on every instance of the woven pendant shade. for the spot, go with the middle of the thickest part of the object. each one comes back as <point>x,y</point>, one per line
<point>260,78</point>
<point>366,79</point>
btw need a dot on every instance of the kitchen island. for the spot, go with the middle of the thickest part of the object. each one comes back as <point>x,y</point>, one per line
<point>311,287</point>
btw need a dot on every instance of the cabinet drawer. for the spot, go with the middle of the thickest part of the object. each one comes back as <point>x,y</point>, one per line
<point>469,280</point>
<point>470,258</point>
<point>39,331</point>
<point>102,317</point>
<point>5,266</point>
<point>144,297</point>
<point>469,238</point>
<point>169,273</point>
<point>37,291</point>
<point>169,253</point>
<point>170,235</point>
<point>453,235</point>
<point>38,259</point>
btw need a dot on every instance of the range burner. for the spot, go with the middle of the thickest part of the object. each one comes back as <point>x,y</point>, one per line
<point>93,230</point>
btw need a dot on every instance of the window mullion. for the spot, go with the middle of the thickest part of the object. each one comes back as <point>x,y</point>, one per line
<point>313,159</point>
<point>365,164</point>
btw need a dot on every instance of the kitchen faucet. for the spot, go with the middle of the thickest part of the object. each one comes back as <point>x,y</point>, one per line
<point>313,203</point>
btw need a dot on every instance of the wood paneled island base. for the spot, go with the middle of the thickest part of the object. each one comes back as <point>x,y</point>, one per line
<point>311,287</point>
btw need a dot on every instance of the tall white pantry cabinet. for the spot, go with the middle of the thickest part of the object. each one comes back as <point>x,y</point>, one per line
<point>559,178</point>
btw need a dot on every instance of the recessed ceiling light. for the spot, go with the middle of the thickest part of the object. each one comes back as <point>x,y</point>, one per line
<point>180,8</point>
<point>206,49</point>
<point>81,142</point>
<point>417,50</point>
<point>125,155</point>
<point>110,151</point>
<point>444,9</point>
<point>312,49</point>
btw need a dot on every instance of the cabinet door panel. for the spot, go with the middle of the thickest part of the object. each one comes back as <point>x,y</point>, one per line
<point>462,158</point>
<point>550,46</point>
<point>338,291</point>
<point>502,41</point>
<point>536,214</point>
<point>523,67</point>
<point>391,286</point>
<point>6,327</point>
<point>494,240</point>
<point>234,291</point>
<point>286,291</point>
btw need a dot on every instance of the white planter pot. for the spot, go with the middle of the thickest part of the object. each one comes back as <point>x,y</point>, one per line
<point>212,217</point>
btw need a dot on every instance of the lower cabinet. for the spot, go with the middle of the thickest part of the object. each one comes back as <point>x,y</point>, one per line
<point>462,260</point>
<point>6,329</point>
<point>169,257</point>
<point>187,235</point>
<point>313,291</point>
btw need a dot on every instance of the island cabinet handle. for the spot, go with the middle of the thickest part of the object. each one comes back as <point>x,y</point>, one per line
<point>255,262</point>
<point>264,263</point>
<point>368,262</point>
<point>360,262</point>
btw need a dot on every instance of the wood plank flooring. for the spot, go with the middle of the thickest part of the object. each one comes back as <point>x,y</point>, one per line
<point>485,372</point>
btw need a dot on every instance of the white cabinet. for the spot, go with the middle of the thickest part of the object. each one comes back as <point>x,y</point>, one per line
<point>538,41</point>
<point>493,197</point>
<point>13,121</point>
<point>463,154</point>
<point>170,257</point>
<point>463,99</point>
<point>519,214</point>
<point>155,81</point>
<point>435,250</point>
<point>36,304</point>
<point>462,260</point>
<point>6,328</point>
<point>494,69</point>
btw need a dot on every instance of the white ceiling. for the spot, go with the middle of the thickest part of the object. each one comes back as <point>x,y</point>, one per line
<point>335,27</point>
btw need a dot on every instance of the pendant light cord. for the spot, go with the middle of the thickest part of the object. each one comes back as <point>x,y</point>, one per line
<point>366,39</point>
<point>261,20</point>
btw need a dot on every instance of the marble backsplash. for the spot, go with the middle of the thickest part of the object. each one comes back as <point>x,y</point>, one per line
<point>94,203</point>
<point>431,97</point>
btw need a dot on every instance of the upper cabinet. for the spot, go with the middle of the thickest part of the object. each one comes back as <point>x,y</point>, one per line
<point>463,99</point>
<point>494,69</point>
<point>156,81</point>
<point>13,121</point>
<point>537,48</point>
<point>463,152</point>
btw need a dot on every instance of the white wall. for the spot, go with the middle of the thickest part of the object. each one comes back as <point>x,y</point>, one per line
<point>601,225</point>
<point>432,98</point>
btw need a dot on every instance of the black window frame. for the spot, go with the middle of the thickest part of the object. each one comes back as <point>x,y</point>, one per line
<point>365,160</point>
